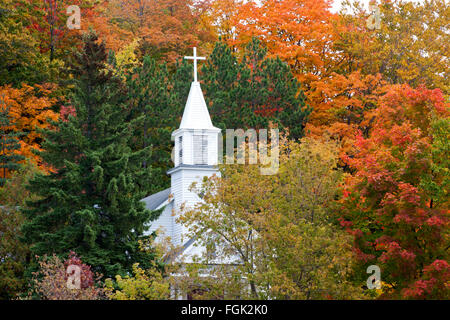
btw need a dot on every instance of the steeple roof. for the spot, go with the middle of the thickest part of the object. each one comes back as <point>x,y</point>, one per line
<point>196,115</point>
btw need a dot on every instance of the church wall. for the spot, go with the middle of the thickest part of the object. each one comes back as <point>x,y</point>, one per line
<point>212,148</point>
<point>164,223</point>
<point>181,183</point>
<point>177,191</point>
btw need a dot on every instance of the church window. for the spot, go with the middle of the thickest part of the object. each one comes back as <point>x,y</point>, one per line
<point>200,149</point>
<point>180,149</point>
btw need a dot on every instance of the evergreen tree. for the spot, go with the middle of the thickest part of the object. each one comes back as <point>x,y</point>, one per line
<point>253,92</point>
<point>220,81</point>
<point>181,83</point>
<point>9,160</point>
<point>90,201</point>
<point>150,95</point>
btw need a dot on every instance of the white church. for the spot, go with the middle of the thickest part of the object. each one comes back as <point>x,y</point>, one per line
<point>195,157</point>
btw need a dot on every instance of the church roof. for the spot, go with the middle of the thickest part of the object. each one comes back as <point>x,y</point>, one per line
<point>196,115</point>
<point>203,167</point>
<point>155,200</point>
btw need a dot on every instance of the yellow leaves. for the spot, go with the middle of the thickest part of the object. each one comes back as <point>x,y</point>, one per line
<point>126,58</point>
<point>386,288</point>
<point>143,285</point>
<point>410,47</point>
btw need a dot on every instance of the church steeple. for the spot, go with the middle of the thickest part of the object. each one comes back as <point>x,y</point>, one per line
<point>195,157</point>
<point>196,151</point>
<point>196,139</point>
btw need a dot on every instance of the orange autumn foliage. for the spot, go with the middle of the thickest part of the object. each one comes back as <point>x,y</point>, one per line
<point>359,110</point>
<point>395,202</point>
<point>323,50</point>
<point>341,114</point>
<point>303,34</point>
<point>299,32</point>
<point>30,109</point>
<point>165,28</point>
<point>222,15</point>
<point>418,106</point>
<point>48,23</point>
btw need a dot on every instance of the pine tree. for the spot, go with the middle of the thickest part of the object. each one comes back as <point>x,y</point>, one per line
<point>253,92</point>
<point>90,202</point>
<point>181,83</point>
<point>150,95</point>
<point>9,160</point>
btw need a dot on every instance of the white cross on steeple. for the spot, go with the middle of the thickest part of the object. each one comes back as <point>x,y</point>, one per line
<point>195,58</point>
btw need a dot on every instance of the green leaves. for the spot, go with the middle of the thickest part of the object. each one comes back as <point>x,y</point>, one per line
<point>9,144</point>
<point>438,183</point>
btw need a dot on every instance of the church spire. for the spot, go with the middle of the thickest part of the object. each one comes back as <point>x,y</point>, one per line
<point>196,115</point>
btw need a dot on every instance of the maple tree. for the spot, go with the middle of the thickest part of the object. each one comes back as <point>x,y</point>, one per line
<point>395,204</point>
<point>20,57</point>
<point>339,61</point>
<point>126,59</point>
<point>165,28</point>
<point>221,14</point>
<point>300,33</point>
<point>343,112</point>
<point>50,281</point>
<point>303,34</point>
<point>30,109</point>
<point>49,25</point>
